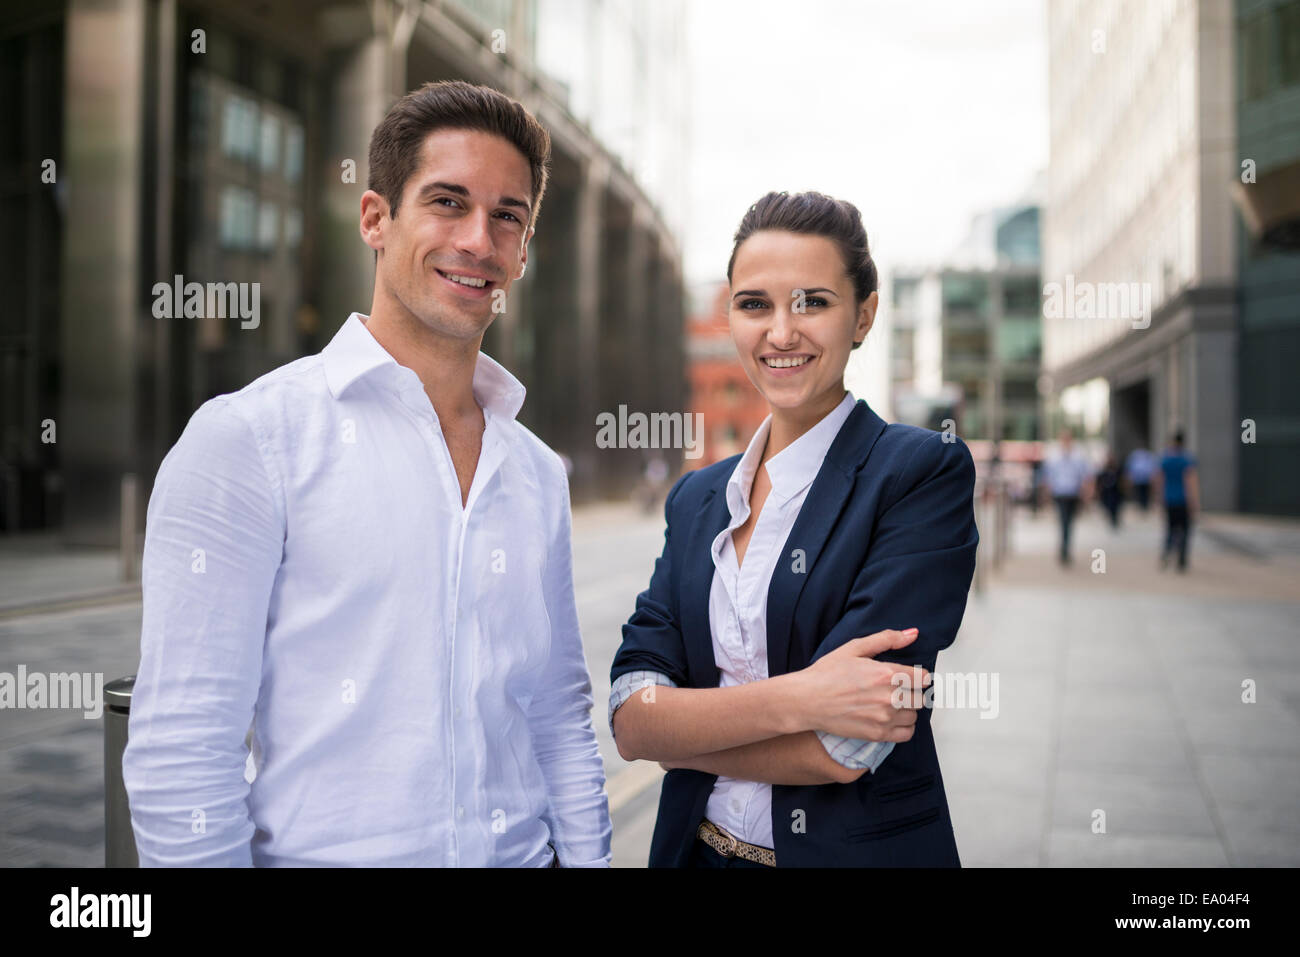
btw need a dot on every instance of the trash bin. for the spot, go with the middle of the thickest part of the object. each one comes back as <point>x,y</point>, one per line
<point>119,839</point>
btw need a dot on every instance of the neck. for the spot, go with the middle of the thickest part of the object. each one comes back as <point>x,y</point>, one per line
<point>445,365</point>
<point>789,424</point>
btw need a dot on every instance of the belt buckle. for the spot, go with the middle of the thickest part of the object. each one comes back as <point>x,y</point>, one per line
<point>731,844</point>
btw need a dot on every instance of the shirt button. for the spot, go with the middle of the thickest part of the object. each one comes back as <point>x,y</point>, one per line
<point>460,810</point>
<point>735,806</point>
<point>457,711</point>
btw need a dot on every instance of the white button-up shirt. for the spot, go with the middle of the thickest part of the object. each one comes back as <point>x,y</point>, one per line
<point>738,601</point>
<point>411,667</point>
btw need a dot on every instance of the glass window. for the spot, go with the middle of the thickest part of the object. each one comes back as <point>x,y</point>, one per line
<point>1256,44</point>
<point>269,142</point>
<point>237,213</point>
<point>965,295</point>
<point>268,227</point>
<point>1019,340</point>
<point>965,345</point>
<point>1288,34</point>
<point>1021,296</point>
<point>239,127</point>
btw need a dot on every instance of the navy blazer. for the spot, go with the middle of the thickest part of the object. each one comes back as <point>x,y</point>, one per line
<point>887,535</point>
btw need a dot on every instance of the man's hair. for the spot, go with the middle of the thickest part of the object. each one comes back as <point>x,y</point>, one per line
<point>815,214</point>
<point>453,105</point>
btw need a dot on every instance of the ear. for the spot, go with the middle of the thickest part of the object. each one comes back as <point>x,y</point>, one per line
<point>374,214</point>
<point>866,317</point>
<point>523,253</point>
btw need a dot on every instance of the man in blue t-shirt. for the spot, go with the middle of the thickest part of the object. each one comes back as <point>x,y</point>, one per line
<point>1176,482</point>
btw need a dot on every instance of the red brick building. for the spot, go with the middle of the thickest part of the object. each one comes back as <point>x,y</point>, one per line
<point>733,409</point>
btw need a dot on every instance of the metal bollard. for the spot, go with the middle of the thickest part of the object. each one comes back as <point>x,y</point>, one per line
<point>119,839</point>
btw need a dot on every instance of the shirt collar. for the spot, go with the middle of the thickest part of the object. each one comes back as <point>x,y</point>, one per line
<point>793,468</point>
<point>354,353</point>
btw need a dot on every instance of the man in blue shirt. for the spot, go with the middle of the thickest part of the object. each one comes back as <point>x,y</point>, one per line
<point>1176,480</point>
<point>1067,476</point>
<point>1140,466</point>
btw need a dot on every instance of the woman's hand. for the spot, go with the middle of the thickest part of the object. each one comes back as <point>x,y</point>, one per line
<point>849,693</point>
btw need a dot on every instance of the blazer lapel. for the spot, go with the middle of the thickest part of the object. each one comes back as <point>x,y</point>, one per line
<point>697,582</point>
<point>821,510</point>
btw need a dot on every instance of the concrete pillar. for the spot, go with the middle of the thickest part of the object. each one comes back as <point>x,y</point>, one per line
<point>639,312</point>
<point>592,185</point>
<point>1214,429</point>
<point>102,312</point>
<point>546,335</point>
<point>369,78</point>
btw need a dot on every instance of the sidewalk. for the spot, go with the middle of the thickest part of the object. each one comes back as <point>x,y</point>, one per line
<point>1118,692</point>
<point>1120,701</point>
<point>37,573</point>
<point>66,610</point>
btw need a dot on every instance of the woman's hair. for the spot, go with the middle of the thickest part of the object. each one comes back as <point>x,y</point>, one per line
<point>815,214</point>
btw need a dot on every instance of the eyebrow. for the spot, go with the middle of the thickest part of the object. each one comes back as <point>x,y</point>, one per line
<point>443,187</point>
<point>761,292</point>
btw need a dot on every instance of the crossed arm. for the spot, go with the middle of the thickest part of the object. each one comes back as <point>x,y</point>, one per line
<point>753,732</point>
<point>918,570</point>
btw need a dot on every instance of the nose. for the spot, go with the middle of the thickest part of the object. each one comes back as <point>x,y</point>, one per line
<point>474,236</point>
<point>783,332</point>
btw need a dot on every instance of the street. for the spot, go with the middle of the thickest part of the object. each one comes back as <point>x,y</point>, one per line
<point>1121,736</point>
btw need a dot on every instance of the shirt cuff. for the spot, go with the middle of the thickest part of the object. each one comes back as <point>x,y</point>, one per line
<point>855,753</point>
<point>629,684</point>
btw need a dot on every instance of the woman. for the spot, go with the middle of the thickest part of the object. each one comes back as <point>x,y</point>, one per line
<point>804,587</point>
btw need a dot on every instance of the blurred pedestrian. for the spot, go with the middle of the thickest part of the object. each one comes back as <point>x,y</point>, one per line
<point>654,482</point>
<point>1177,483</point>
<point>1067,477</point>
<point>1109,492</point>
<point>1140,466</point>
<point>1035,483</point>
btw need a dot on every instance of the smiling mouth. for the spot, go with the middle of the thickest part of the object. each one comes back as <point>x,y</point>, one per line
<point>791,362</point>
<point>469,282</point>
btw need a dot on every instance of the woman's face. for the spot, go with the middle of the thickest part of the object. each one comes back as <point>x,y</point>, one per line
<point>793,318</point>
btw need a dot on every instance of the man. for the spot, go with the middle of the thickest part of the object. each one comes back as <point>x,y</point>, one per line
<point>1140,465</point>
<point>1177,485</point>
<point>1066,476</point>
<point>367,557</point>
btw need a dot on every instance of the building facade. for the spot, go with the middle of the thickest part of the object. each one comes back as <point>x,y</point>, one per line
<point>966,334</point>
<point>1140,235</point>
<point>731,406</point>
<point>1267,193</point>
<point>227,142</point>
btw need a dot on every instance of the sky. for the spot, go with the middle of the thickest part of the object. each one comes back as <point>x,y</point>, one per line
<point>921,113</point>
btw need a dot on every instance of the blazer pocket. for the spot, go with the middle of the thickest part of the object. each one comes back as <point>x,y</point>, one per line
<point>900,825</point>
<point>898,790</point>
<point>897,808</point>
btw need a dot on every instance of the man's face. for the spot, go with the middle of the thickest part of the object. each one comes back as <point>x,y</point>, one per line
<point>460,236</point>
